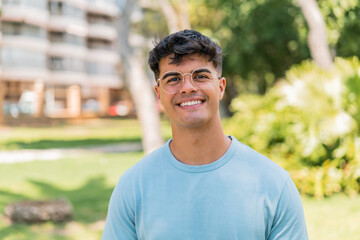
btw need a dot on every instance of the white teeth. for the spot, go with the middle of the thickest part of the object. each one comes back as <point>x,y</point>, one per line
<point>190,103</point>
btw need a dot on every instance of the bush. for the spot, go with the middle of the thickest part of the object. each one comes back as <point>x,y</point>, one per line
<point>309,123</point>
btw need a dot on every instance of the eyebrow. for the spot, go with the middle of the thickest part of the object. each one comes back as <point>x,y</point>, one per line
<point>202,70</point>
<point>170,74</point>
<point>174,73</point>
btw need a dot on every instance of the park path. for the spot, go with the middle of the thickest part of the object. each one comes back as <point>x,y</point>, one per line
<point>28,155</point>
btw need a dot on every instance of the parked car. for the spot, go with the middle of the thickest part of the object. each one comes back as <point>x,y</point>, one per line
<point>120,108</point>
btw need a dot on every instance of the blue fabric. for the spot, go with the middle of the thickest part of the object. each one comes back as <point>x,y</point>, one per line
<point>242,195</point>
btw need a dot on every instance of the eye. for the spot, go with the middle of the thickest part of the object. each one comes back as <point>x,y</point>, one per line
<point>203,76</point>
<point>172,80</point>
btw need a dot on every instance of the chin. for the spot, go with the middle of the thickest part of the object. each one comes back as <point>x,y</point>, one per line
<point>194,122</point>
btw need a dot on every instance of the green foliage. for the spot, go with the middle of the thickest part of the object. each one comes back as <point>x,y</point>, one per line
<point>308,123</point>
<point>262,39</point>
<point>152,24</point>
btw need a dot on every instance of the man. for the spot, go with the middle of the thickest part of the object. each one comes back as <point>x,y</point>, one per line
<point>201,184</point>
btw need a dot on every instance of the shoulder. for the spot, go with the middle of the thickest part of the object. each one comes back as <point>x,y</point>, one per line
<point>255,161</point>
<point>264,175</point>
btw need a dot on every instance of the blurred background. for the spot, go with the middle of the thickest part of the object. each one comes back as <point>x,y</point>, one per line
<point>77,106</point>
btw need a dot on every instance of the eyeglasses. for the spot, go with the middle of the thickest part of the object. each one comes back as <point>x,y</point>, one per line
<point>172,81</point>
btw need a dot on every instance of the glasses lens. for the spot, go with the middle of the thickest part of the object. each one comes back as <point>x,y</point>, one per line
<point>172,82</point>
<point>202,75</point>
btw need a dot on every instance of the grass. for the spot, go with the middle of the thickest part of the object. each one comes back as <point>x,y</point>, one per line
<point>84,133</point>
<point>333,218</point>
<point>87,181</point>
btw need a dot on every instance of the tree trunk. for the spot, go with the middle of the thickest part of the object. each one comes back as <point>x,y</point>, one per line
<point>2,84</point>
<point>2,97</point>
<point>176,21</point>
<point>184,18</point>
<point>317,38</point>
<point>170,15</point>
<point>141,90</point>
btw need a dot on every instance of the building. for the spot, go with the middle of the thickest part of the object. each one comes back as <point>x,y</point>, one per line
<point>59,58</point>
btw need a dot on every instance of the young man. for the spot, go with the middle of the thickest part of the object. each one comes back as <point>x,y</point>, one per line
<point>201,184</point>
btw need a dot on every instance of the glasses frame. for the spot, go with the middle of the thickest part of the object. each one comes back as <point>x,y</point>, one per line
<point>183,78</point>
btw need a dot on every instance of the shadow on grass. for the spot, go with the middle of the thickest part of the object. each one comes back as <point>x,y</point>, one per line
<point>47,143</point>
<point>25,232</point>
<point>89,202</point>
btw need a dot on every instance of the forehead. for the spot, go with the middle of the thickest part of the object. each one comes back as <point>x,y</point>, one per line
<point>187,64</point>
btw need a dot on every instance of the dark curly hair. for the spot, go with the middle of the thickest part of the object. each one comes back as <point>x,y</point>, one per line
<point>183,43</point>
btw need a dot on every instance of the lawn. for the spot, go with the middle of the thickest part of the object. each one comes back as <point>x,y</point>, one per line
<point>335,218</point>
<point>81,133</point>
<point>87,180</point>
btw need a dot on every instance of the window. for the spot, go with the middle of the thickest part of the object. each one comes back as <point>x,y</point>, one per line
<point>66,64</point>
<point>63,37</point>
<point>97,68</point>
<point>56,8</point>
<point>40,4</point>
<point>100,44</point>
<point>15,28</point>
<point>64,9</point>
<point>102,20</point>
<point>11,57</point>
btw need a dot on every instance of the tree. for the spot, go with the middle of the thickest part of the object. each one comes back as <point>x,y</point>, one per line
<point>261,39</point>
<point>2,90</point>
<point>2,96</point>
<point>347,43</point>
<point>170,15</point>
<point>136,78</point>
<point>317,38</point>
<point>176,15</point>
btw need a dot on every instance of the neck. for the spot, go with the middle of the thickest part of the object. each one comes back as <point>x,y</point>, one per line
<point>199,146</point>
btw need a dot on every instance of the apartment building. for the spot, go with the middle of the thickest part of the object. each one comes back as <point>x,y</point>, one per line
<point>59,58</point>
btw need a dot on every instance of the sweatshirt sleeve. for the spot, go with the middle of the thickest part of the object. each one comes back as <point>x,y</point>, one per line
<point>120,220</point>
<point>289,219</point>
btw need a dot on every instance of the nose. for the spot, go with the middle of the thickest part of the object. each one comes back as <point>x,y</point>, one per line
<point>188,85</point>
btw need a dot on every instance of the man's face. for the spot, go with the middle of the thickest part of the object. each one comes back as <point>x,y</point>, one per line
<point>191,106</point>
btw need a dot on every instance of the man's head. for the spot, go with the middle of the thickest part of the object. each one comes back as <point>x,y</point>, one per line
<point>187,67</point>
<point>184,43</point>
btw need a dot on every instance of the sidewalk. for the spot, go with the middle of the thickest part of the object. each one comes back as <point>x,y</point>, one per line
<point>55,154</point>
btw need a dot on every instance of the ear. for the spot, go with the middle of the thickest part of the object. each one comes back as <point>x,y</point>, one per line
<point>222,85</point>
<point>157,91</point>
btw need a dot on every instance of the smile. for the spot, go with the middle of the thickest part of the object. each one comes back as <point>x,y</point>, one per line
<point>190,103</point>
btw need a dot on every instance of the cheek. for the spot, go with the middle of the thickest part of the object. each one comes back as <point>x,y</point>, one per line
<point>165,100</point>
<point>213,90</point>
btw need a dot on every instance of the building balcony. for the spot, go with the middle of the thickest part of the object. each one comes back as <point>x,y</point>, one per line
<point>102,7</point>
<point>24,73</point>
<point>25,42</point>
<point>102,31</point>
<point>104,56</point>
<point>68,50</point>
<point>67,24</point>
<point>76,3</point>
<point>107,81</point>
<point>26,14</point>
<point>68,78</point>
